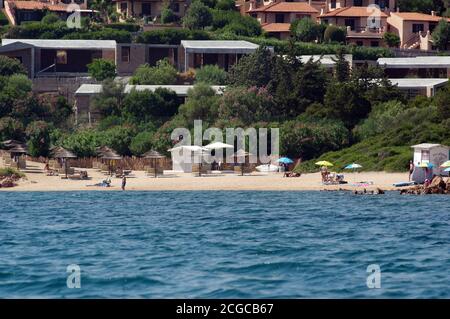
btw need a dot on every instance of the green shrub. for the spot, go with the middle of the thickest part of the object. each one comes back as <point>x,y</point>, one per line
<point>168,16</point>
<point>10,66</point>
<point>163,74</point>
<point>38,134</point>
<point>3,19</point>
<point>11,172</point>
<point>211,74</point>
<point>170,36</point>
<point>141,143</point>
<point>129,27</point>
<point>334,34</point>
<point>101,69</point>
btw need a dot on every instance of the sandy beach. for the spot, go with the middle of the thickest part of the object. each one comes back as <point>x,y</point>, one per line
<point>37,180</point>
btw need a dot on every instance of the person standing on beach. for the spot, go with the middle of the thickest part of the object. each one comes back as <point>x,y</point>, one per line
<point>124,182</point>
<point>411,169</point>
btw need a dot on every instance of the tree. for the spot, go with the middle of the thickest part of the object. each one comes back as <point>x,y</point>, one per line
<point>119,139</point>
<point>10,66</point>
<point>211,74</point>
<point>253,70</point>
<point>226,5</point>
<point>101,69</point>
<point>145,106</point>
<point>167,14</point>
<point>442,100</point>
<point>163,73</point>
<point>441,35</point>
<point>305,30</point>
<point>141,143</point>
<point>110,100</point>
<point>334,34</point>
<point>50,18</point>
<point>424,6</point>
<point>391,39</point>
<point>198,16</point>
<point>249,105</point>
<point>38,134</point>
<point>201,104</point>
<point>342,67</point>
<point>11,128</point>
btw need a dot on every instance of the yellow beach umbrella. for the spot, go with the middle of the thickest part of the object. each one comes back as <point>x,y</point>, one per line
<point>446,164</point>
<point>324,163</point>
<point>425,165</point>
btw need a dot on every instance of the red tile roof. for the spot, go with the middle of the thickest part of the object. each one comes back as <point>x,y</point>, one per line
<point>37,5</point>
<point>354,12</point>
<point>286,7</point>
<point>414,16</point>
<point>276,27</point>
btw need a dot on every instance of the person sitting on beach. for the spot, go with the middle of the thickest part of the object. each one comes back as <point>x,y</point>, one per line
<point>427,183</point>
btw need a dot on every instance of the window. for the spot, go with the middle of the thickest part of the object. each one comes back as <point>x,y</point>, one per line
<point>125,56</point>
<point>176,7</point>
<point>61,57</point>
<point>358,3</point>
<point>359,43</point>
<point>374,43</point>
<point>333,4</point>
<point>123,7</point>
<point>417,27</point>
<point>350,23</point>
<point>432,26</point>
<point>425,155</point>
<point>147,9</point>
<point>279,18</point>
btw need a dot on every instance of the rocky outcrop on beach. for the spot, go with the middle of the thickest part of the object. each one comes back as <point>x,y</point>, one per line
<point>7,182</point>
<point>438,185</point>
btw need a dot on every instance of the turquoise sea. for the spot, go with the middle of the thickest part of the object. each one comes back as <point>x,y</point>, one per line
<point>223,244</point>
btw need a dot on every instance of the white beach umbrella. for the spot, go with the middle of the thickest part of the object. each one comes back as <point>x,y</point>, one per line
<point>192,148</point>
<point>218,145</point>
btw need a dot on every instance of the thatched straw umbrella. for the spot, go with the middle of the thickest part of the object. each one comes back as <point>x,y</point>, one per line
<point>62,153</point>
<point>18,151</point>
<point>242,153</point>
<point>155,156</point>
<point>12,143</point>
<point>108,154</point>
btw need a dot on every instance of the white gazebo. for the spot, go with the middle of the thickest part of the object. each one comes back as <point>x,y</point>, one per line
<point>184,156</point>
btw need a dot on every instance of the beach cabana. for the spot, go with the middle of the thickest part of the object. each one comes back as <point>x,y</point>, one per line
<point>154,156</point>
<point>64,155</point>
<point>17,154</point>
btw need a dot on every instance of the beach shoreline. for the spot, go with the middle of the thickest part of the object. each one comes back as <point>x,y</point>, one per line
<point>37,181</point>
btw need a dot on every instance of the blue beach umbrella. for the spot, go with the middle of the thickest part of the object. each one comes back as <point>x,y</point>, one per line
<point>352,166</point>
<point>285,160</point>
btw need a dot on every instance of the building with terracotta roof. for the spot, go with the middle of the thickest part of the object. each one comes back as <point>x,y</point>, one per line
<point>385,5</point>
<point>365,25</point>
<point>276,17</point>
<point>414,29</point>
<point>33,10</point>
<point>148,9</point>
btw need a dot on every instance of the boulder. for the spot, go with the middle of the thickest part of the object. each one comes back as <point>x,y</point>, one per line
<point>7,182</point>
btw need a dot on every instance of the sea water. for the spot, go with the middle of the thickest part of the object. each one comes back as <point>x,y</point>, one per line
<point>223,244</point>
